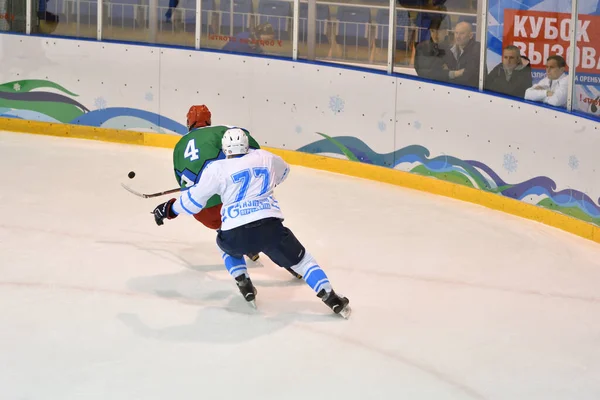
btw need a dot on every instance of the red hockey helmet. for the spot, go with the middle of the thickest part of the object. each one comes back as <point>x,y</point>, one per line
<point>198,117</point>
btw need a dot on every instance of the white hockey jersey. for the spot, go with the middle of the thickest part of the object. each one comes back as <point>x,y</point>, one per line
<point>245,185</point>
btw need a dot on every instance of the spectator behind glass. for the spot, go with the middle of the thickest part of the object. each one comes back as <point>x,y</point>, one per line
<point>553,88</point>
<point>172,6</point>
<point>430,54</point>
<point>463,57</point>
<point>512,76</point>
<point>246,42</point>
<point>47,21</point>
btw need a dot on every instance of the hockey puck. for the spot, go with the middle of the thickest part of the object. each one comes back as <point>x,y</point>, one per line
<point>131,175</point>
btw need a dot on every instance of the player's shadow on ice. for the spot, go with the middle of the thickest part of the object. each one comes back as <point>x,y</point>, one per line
<point>211,325</point>
<point>223,315</point>
<point>236,322</point>
<point>185,286</point>
<point>192,288</point>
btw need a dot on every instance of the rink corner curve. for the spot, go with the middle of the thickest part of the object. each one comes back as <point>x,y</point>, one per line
<point>345,167</point>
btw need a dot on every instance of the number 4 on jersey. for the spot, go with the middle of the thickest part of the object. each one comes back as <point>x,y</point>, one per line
<point>191,151</point>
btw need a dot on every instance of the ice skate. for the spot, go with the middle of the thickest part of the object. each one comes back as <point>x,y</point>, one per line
<point>339,305</point>
<point>247,289</point>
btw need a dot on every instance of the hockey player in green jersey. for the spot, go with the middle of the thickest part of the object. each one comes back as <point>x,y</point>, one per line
<point>197,149</point>
<point>194,151</point>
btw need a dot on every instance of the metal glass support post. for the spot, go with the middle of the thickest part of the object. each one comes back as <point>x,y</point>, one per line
<point>392,37</point>
<point>311,29</point>
<point>152,20</point>
<point>28,16</point>
<point>572,61</point>
<point>231,5</point>
<point>295,29</point>
<point>199,23</point>
<point>100,22</point>
<point>483,29</point>
<point>78,18</point>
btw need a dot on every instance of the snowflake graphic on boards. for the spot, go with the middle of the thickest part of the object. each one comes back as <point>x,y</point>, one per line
<point>510,163</point>
<point>336,104</point>
<point>16,87</point>
<point>298,129</point>
<point>573,162</point>
<point>100,103</point>
<point>149,96</point>
<point>381,125</point>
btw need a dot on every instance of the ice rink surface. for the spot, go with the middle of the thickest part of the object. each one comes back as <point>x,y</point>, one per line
<point>450,300</point>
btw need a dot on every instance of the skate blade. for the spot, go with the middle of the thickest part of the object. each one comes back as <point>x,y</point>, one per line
<point>252,304</point>
<point>345,313</point>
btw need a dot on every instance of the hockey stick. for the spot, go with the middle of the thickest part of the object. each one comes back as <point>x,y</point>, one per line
<point>147,196</point>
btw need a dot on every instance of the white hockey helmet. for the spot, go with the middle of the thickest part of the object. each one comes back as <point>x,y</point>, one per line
<point>235,142</point>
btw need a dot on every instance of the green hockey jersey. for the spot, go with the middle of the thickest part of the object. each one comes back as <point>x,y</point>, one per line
<point>196,150</point>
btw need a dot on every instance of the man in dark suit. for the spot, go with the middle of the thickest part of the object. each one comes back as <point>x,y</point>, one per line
<point>512,76</point>
<point>463,58</point>
<point>430,54</point>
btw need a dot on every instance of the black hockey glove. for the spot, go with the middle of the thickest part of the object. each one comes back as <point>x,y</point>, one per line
<point>164,210</point>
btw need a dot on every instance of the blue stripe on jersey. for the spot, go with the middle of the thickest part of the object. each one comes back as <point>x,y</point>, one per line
<point>274,203</point>
<point>315,277</point>
<point>194,202</point>
<point>184,208</point>
<point>235,266</point>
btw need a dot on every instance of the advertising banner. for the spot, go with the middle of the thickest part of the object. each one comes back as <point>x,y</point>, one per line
<point>542,29</point>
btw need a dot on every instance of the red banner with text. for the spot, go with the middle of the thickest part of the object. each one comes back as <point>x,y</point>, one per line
<point>540,34</point>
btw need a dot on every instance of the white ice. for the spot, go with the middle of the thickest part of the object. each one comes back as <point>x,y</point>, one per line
<point>450,300</point>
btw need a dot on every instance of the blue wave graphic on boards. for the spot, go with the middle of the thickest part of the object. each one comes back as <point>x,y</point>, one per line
<point>539,190</point>
<point>99,117</point>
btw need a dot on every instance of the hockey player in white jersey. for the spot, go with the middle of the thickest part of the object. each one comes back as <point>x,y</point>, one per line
<point>251,217</point>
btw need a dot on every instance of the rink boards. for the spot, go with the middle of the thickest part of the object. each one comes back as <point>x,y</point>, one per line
<point>520,158</point>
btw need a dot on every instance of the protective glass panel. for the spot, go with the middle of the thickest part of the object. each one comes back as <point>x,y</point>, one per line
<point>348,33</point>
<point>253,27</point>
<point>439,40</point>
<point>171,22</point>
<point>75,18</point>
<point>12,15</point>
